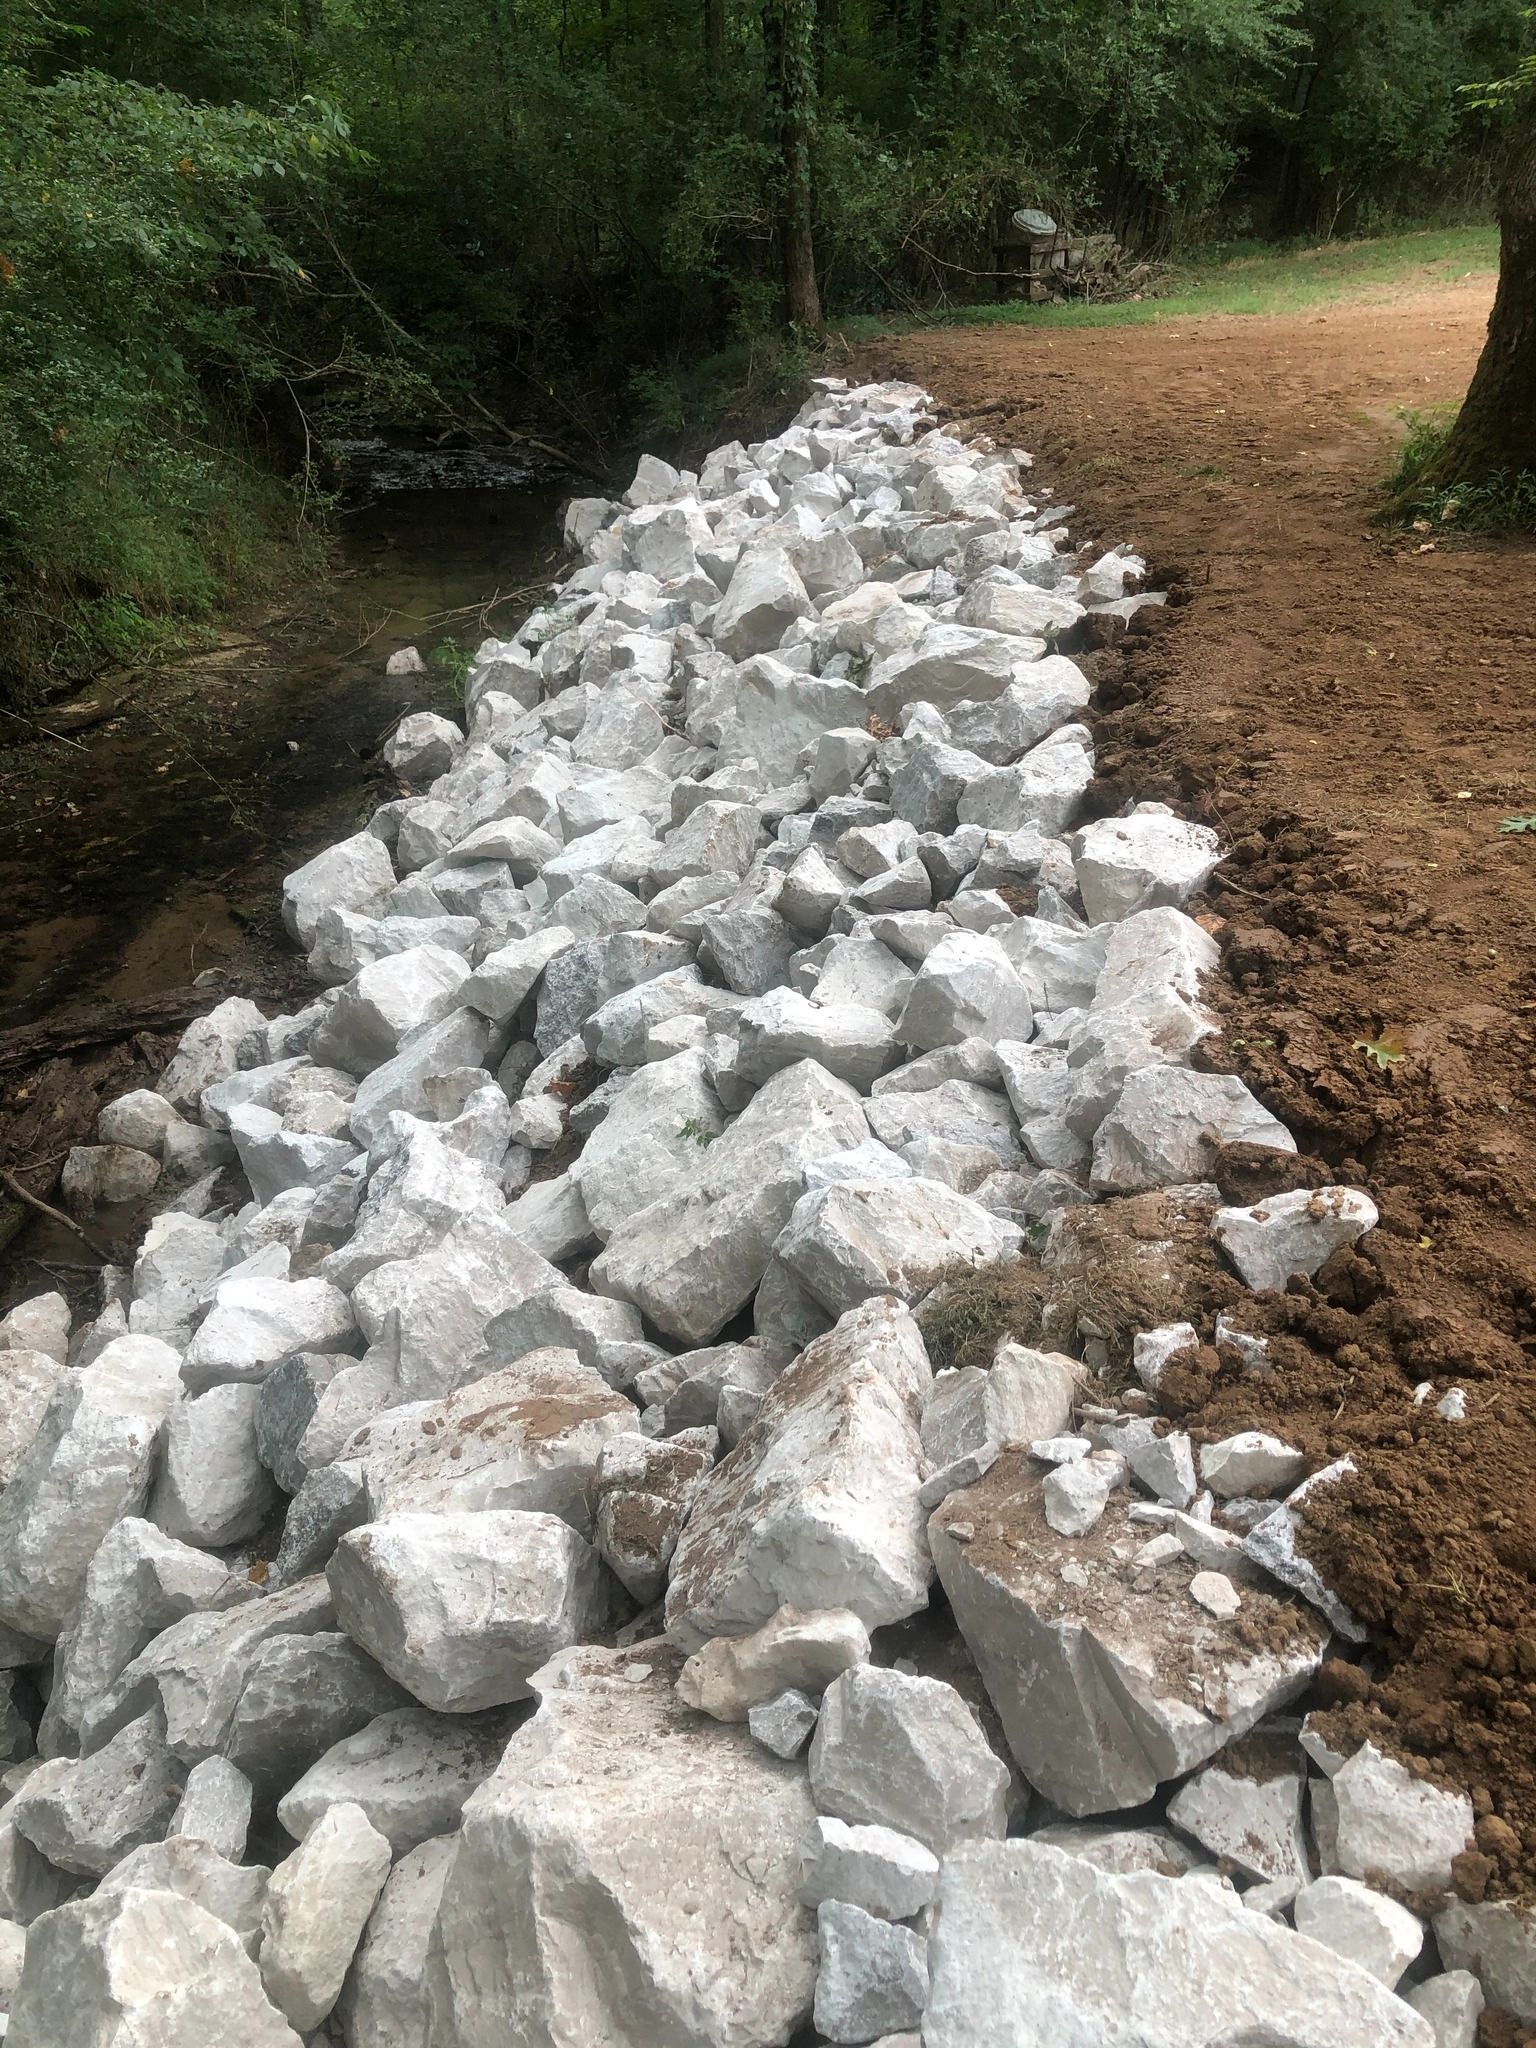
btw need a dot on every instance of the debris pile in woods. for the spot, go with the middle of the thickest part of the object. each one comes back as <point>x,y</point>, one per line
<point>647,1519</point>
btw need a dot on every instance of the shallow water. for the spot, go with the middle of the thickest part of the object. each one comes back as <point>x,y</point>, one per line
<point>150,847</point>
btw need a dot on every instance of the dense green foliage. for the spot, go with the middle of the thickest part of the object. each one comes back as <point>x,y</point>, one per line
<point>224,225</point>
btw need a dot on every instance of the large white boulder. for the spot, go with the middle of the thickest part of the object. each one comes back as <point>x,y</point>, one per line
<point>817,1505</point>
<point>894,1750</point>
<point>526,1437</point>
<point>552,1928</point>
<point>90,1462</point>
<point>317,1905</point>
<point>384,2001</point>
<point>1035,1948</point>
<point>692,1259</point>
<point>140,1969</point>
<point>856,1239</point>
<point>1150,858</point>
<point>462,1609</point>
<point>1103,1694</point>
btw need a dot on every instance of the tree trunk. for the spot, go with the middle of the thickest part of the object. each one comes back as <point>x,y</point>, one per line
<point>1496,427</point>
<point>789,28</point>
<point>714,30</point>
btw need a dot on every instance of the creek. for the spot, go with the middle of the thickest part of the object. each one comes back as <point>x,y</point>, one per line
<point>149,847</point>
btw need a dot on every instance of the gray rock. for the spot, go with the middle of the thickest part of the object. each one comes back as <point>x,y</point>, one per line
<point>140,1965</point>
<point>732,1674</point>
<point>1396,1828</point>
<point>1363,1926</point>
<point>817,1505</point>
<point>92,1813</point>
<point>1291,1233</point>
<point>643,1492</point>
<point>1033,1945</point>
<point>525,1437</point>
<point>854,1240</point>
<point>965,988</point>
<point>694,1258</point>
<point>195,1670</point>
<point>461,1609</point>
<point>1103,1699</point>
<point>256,1323</point>
<point>1453,2004</point>
<point>28,1380</point>
<point>210,1049</point>
<point>138,1582</point>
<point>1139,862</point>
<point>701,1940</point>
<point>99,1176</point>
<point>89,1463</point>
<point>904,1752</point>
<point>215,1808</point>
<point>785,1724</point>
<point>354,874</point>
<point>384,2001</point>
<point>303,1695</point>
<point>1165,1129</point>
<point>873,1976</point>
<point>876,1869</point>
<point>410,1771</point>
<point>213,1489</point>
<point>317,1905</point>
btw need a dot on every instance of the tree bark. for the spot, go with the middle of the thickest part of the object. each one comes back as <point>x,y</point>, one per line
<point>1496,427</point>
<point>790,37</point>
<point>714,30</point>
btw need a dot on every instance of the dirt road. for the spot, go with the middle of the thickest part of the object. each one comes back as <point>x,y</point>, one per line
<point>1354,710</point>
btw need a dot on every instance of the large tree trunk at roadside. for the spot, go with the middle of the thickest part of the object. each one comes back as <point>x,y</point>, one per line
<point>1496,427</point>
<point>789,31</point>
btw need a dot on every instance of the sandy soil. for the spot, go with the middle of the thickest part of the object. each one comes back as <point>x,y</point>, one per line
<point>1353,709</point>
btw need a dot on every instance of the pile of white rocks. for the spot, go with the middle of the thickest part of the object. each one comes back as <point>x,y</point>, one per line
<point>514,1576</point>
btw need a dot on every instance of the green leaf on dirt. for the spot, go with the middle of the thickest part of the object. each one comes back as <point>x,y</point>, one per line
<point>1526,823</point>
<point>1384,1051</point>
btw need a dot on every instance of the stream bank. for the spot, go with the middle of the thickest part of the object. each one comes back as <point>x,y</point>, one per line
<point>149,848</point>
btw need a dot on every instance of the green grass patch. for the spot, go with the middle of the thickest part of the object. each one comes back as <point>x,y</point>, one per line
<point>1239,278</point>
<point>1504,501</point>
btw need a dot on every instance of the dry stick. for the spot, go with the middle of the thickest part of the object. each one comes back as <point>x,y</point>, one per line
<point>46,730</point>
<point>13,1186</point>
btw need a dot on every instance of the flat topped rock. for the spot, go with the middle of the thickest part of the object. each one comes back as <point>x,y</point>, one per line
<point>1034,1948</point>
<point>629,1876</point>
<point>1104,1692</point>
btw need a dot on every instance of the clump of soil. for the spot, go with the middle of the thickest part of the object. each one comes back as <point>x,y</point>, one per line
<point>1350,709</point>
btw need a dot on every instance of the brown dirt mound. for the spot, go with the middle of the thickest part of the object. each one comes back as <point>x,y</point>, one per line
<point>1352,709</point>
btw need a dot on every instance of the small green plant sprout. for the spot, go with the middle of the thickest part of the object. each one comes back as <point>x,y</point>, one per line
<point>1525,822</point>
<point>1383,1051</point>
<point>701,1134</point>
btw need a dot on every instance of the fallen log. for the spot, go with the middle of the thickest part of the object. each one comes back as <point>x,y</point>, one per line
<point>101,1024</point>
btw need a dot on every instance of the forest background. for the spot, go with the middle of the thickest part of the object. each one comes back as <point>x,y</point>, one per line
<point>234,230</point>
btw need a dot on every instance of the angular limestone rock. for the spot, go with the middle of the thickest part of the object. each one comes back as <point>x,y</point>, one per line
<point>410,1772</point>
<point>1103,1696</point>
<point>873,1976</point>
<point>91,1814</point>
<point>553,1929</point>
<point>303,1694</point>
<point>384,2001</point>
<point>317,1905</point>
<point>1292,1233</point>
<point>1396,1828</point>
<point>1032,1947</point>
<point>1365,1927</point>
<point>90,1463</point>
<point>1249,1812</point>
<point>900,1751</point>
<point>526,1437</point>
<point>140,1967</point>
<point>885,1873</point>
<point>462,1609</point>
<point>817,1505</point>
<point>791,1651</point>
<point>692,1259</point>
<point>857,1239</point>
